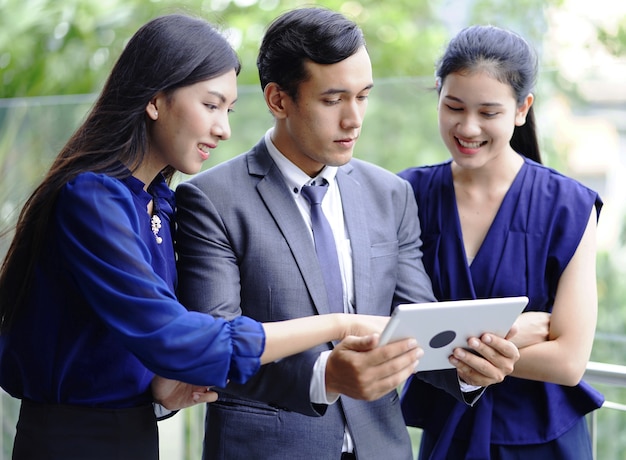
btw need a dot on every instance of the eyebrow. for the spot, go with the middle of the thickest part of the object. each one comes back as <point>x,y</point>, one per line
<point>339,90</point>
<point>484,104</point>
<point>220,96</point>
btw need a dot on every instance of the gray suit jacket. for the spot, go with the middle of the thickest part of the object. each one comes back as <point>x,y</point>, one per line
<point>244,248</point>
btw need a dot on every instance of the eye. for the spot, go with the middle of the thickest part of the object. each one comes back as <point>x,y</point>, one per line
<point>332,101</point>
<point>454,109</point>
<point>490,114</point>
<point>211,106</point>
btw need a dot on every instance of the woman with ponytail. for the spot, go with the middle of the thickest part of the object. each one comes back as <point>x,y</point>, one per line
<point>495,223</point>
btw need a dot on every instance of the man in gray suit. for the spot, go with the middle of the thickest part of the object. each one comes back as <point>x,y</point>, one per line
<point>246,246</point>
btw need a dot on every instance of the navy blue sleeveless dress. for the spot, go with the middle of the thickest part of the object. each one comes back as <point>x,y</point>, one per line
<point>534,235</point>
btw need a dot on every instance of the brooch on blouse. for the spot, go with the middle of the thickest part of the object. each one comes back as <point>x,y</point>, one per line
<point>155,224</point>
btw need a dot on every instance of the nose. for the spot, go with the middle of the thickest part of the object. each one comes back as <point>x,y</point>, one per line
<point>221,127</point>
<point>469,126</point>
<point>352,117</point>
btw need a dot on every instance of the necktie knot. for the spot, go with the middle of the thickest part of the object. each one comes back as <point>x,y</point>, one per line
<point>314,194</point>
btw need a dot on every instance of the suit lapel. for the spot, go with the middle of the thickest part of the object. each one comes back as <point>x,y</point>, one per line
<point>284,211</point>
<point>357,224</point>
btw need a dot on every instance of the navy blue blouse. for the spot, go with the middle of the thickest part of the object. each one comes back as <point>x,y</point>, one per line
<point>103,318</point>
<point>530,242</point>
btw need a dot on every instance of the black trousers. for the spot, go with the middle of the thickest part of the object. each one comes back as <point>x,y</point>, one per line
<point>58,432</point>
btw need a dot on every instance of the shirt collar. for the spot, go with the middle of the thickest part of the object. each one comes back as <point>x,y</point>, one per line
<point>294,176</point>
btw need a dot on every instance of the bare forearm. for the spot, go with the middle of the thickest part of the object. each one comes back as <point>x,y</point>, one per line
<point>285,338</point>
<point>550,362</point>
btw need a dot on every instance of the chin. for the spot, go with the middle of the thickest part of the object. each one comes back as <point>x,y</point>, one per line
<point>341,160</point>
<point>190,169</point>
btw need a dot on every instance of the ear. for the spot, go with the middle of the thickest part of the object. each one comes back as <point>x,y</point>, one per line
<point>522,110</point>
<point>152,109</point>
<point>276,100</point>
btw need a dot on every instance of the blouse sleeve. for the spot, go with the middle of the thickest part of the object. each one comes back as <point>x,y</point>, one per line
<point>97,229</point>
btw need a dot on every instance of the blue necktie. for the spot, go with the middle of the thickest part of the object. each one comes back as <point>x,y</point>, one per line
<point>325,247</point>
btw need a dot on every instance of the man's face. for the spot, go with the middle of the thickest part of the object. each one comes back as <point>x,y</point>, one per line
<point>321,127</point>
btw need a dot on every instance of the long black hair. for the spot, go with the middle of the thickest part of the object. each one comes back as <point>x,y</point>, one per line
<point>507,57</point>
<point>166,53</point>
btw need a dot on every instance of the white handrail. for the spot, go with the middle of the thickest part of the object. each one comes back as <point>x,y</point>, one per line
<point>610,374</point>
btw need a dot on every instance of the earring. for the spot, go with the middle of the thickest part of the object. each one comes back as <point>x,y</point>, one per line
<point>156,114</point>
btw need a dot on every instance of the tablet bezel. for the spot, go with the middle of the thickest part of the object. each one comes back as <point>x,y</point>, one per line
<point>465,318</point>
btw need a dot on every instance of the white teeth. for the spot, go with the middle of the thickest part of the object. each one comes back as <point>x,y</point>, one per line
<point>469,145</point>
<point>204,148</point>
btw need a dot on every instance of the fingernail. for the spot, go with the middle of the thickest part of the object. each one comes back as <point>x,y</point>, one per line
<point>412,343</point>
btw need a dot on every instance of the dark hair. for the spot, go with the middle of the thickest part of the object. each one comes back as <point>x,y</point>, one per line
<point>305,34</point>
<point>166,53</point>
<point>508,58</point>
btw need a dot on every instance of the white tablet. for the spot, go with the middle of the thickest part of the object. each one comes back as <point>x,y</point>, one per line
<point>440,327</point>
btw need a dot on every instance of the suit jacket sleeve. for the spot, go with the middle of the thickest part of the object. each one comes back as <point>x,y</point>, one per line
<point>210,282</point>
<point>414,285</point>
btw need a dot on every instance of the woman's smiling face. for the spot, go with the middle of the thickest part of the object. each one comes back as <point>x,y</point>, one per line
<point>191,122</point>
<point>477,117</point>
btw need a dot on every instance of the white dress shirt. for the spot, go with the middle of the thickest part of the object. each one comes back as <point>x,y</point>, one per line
<point>295,179</point>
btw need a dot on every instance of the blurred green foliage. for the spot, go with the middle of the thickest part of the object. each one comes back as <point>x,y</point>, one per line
<point>614,40</point>
<point>50,47</point>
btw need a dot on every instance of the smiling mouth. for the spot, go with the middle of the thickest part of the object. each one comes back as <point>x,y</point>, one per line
<point>205,148</point>
<point>470,145</point>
